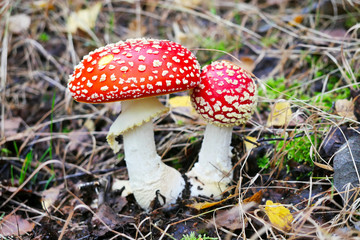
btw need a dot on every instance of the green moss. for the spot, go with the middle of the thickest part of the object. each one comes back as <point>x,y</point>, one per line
<point>192,236</point>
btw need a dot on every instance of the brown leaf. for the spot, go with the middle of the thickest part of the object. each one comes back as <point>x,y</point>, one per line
<point>49,196</point>
<point>247,63</point>
<point>345,108</point>
<point>203,205</point>
<point>324,166</point>
<point>77,138</point>
<point>12,126</point>
<point>254,198</point>
<point>233,218</point>
<point>15,225</point>
<point>107,215</point>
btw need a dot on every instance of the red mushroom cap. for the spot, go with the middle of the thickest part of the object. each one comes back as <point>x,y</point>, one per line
<point>226,95</point>
<point>132,69</point>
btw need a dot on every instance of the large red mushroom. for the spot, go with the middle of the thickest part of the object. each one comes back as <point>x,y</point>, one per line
<point>226,97</point>
<point>138,70</point>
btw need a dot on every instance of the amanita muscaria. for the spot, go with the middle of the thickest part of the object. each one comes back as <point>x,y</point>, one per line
<point>138,70</point>
<point>226,97</point>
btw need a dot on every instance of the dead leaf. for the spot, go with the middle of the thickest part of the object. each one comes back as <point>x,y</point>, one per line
<point>43,4</point>
<point>230,218</point>
<point>107,215</point>
<point>182,106</point>
<point>324,166</point>
<point>296,20</point>
<point>19,23</point>
<point>89,125</point>
<point>280,114</point>
<point>250,143</point>
<point>345,108</point>
<point>49,196</point>
<point>84,19</point>
<point>203,205</point>
<point>247,63</point>
<point>15,225</point>
<point>77,138</point>
<point>279,215</point>
<point>12,126</point>
<point>254,198</point>
<point>356,96</point>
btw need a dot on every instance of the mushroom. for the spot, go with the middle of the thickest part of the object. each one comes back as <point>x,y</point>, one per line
<point>138,70</point>
<point>226,97</point>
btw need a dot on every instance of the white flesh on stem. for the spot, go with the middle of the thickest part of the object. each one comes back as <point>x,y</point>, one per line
<point>212,173</point>
<point>149,177</point>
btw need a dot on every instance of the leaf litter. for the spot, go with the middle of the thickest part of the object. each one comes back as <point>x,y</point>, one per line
<point>273,39</point>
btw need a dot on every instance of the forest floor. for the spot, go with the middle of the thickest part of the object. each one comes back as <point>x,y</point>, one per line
<point>294,175</point>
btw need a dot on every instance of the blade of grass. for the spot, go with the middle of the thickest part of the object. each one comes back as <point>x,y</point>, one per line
<point>25,166</point>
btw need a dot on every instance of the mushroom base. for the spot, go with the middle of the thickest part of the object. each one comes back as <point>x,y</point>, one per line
<point>150,178</point>
<point>211,175</point>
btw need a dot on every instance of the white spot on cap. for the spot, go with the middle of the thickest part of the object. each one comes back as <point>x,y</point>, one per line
<point>157,63</point>
<point>164,73</point>
<point>141,58</point>
<point>102,77</point>
<point>104,88</point>
<point>124,69</point>
<point>89,84</point>
<point>94,95</point>
<point>112,77</point>
<point>142,68</point>
<point>94,77</point>
<point>111,67</point>
<point>175,59</point>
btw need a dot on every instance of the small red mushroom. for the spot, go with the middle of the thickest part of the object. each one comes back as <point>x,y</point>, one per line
<point>138,70</point>
<point>226,97</point>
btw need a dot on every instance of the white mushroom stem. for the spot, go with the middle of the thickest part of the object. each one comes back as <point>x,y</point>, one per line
<point>149,177</point>
<point>147,173</point>
<point>212,173</point>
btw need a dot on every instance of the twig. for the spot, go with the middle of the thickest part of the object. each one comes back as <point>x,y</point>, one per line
<point>77,175</point>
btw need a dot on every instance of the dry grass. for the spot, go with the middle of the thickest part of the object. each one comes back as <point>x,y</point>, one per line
<point>309,44</point>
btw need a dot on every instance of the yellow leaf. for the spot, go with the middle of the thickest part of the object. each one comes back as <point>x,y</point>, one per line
<point>84,19</point>
<point>180,101</point>
<point>43,4</point>
<point>182,106</point>
<point>250,143</point>
<point>280,114</point>
<point>279,215</point>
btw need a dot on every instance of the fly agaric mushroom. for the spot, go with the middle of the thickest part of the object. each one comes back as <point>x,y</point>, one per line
<point>138,70</point>
<point>226,97</point>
